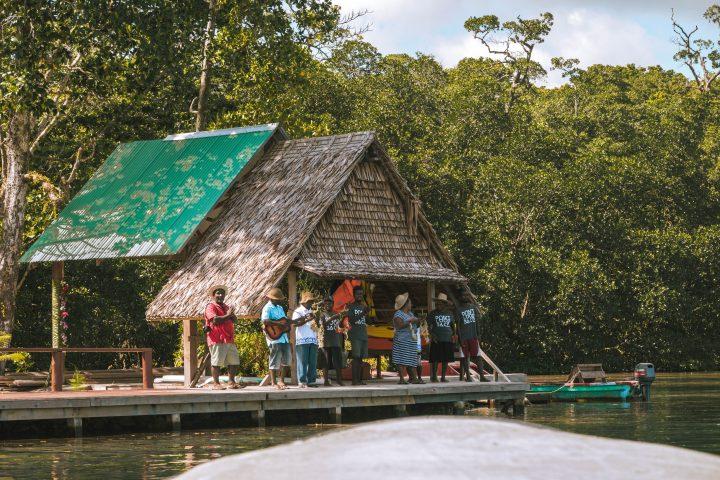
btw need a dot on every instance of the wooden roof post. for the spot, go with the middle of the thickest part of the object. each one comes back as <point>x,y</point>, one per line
<point>58,271</point>
<point>190,350</point>
<point>292,305</point>
<point>430,296</point>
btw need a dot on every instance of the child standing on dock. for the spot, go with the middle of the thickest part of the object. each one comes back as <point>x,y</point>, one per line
<point>468,330</point>
<point>441,325</point>
<point>357,318</point>
<point>332,339</point>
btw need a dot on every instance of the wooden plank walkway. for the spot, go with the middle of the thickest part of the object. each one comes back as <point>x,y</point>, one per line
<point>74,406</point>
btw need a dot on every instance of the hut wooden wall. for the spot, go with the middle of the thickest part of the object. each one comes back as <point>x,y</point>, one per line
<point>369,233</point>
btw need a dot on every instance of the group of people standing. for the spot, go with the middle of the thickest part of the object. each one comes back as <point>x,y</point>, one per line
<point>449,330</point>
<point>320,334</point>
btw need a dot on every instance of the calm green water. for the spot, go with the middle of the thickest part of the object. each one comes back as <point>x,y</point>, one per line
<point>685,411</point>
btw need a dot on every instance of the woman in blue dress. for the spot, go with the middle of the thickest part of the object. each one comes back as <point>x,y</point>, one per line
<point>404,351</point>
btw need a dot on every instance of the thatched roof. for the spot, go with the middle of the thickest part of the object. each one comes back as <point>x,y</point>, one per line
<point>335,206</point>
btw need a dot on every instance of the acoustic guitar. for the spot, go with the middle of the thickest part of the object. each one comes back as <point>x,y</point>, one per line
<point>274,329</point>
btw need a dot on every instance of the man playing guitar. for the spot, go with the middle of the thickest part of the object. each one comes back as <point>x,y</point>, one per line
<point>276,325</point>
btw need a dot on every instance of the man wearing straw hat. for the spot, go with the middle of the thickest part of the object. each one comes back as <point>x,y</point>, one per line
<point>279,348</point>
<point>306,341</point>
<point>220,329</point>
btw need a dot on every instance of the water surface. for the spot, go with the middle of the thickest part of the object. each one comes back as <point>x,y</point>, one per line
<point>684,411</point>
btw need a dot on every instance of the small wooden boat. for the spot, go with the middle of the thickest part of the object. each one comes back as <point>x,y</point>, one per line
<point>573,393</point>
<point>585,382</point>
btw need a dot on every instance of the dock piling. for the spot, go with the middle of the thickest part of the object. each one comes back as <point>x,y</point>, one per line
<point>76,424</point>
<point>459,408</point>
<point>336,414</point>
<point>175,421</point>
<point>258,417</point>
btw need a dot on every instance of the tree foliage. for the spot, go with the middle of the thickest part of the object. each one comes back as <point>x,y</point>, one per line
<point>585,216</point>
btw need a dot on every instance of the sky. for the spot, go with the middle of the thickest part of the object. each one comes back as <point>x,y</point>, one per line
<point>613,32</point>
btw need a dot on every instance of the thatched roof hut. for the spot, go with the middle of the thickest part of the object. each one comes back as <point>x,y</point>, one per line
<point>334,206</point>
<point>248,208</point>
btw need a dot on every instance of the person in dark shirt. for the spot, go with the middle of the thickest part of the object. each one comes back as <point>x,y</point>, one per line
<point>332,339</point>
<point>357,320</point>
<point>468,320</point>
<point>441,326</point>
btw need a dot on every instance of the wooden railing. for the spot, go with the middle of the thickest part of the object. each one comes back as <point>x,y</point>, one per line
<point>57,361</point>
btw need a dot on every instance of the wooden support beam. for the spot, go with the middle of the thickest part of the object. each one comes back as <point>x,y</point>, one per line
<point>147,375</point>
<point>292,305</point>
<point>57,370</point>
<point>430,296</point>
<point>58,271</point>
<point>190,347</point>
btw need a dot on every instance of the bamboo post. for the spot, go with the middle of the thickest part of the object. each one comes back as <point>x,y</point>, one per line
<point>56,292</point>
<point>190,347</point>
<point>292,305</point>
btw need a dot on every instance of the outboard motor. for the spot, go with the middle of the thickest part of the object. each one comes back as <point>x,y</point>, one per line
<point>645,375</point>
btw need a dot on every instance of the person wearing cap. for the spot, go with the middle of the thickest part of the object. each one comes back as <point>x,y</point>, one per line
<point>441,325</point>
<point>404,349</point>
<point>280,348</point>
<point>357,320</point>
<point>468,331</point>
<point>306,341</point>
<point>220,329</point>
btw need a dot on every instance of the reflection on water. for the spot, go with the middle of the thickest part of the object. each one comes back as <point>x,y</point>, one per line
<point>685,411</point>
<point>136,456</point>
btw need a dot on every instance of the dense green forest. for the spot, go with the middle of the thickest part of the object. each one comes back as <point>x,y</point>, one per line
<point>586,216</point>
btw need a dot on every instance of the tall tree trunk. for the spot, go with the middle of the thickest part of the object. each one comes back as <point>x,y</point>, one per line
<point>201,112</point>
<point>17,155</point>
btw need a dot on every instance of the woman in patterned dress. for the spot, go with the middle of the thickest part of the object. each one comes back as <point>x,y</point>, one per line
<point>404,351</point>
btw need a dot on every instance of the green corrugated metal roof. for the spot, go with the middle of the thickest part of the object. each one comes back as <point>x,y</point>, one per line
<point>149,196</point>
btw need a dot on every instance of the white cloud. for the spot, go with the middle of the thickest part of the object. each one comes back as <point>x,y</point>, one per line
<point>615,32</point>
<point>595,37</point>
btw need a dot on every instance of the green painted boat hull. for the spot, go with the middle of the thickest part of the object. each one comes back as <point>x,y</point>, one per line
<point>583,392</point>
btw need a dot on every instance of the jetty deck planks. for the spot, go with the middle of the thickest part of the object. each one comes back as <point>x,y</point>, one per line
<point>16,406</point>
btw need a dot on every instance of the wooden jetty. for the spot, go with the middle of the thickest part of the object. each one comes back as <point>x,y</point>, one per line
<point>174,403</point>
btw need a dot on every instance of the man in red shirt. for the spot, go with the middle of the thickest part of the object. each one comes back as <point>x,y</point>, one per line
<point>220,329</point>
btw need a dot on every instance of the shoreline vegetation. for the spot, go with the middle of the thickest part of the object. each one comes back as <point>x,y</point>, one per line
<point>586,216</point>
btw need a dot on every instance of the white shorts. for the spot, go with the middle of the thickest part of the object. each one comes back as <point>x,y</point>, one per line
<point>224,354</point>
